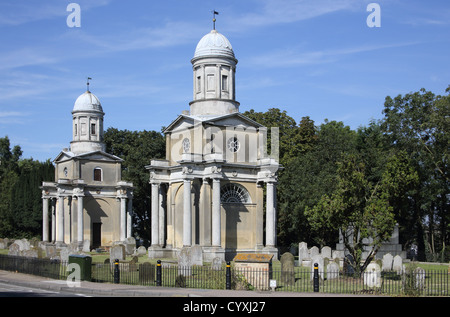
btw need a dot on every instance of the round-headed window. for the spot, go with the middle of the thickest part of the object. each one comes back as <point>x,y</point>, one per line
<point>186,146</point>
<point>234,193</point>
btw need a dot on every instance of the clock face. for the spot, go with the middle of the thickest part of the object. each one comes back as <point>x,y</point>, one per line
<point>186,146</point>
<point>233,144</point>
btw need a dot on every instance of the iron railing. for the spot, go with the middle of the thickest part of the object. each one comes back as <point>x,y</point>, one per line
<point>424,283</point>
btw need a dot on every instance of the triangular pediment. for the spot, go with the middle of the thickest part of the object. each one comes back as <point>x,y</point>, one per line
<point>183,122</point>
<point>91,156</point>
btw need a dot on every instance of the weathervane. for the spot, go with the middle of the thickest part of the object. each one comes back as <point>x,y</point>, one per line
<point>87,83</point>
<point>214,12</point>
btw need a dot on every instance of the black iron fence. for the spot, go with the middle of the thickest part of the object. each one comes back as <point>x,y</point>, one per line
<point>300,279</point>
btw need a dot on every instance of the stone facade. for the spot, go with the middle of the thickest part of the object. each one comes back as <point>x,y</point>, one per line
<point>88,200</point>
<point>209,189</point>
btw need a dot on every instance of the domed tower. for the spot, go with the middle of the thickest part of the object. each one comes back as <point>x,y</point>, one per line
<point>87,116</point>
<point>214,67</point>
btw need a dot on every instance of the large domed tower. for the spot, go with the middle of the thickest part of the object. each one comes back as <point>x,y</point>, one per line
<point>214,66</point>
<point>87,116</point>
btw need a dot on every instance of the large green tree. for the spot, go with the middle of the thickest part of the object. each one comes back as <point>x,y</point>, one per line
<point>359,209</point>
<point>419,124</point>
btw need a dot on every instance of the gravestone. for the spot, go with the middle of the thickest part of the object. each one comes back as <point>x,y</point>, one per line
<point>197,255</point>
<point>14,250</point>
<point>326,252</point>
<point>86,245</point>
<point>372,275</point>
<point>419,275</point>
<point>216,264</point>
<point>318,259</point>
<point>256,268</point>
<point>397,265</point>
<point>146,273</point>
<point>348,265</point>
<point>313,252</point>
<point>3,244</point>
<point>141,250</point>
<point>332,271</point>
<point>303,253</point>
<point>117,252</point>
<point>387,262</point>
<point>287,269</point>
<point>184,262</point>
<point>50,251</point>
<point>130,245</point>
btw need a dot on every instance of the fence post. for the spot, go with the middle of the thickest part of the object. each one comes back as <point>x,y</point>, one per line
<point>228,277</point>
<point>116,272</point>
<point>316,277</point>
<point>158,273</point>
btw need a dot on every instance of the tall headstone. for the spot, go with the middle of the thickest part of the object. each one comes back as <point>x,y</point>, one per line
<point>397,264</point>
<point>303,253</point>
<point>314,251</point>
<point>387,262</point>
<point>184,262</point>
<point>318,259</point>
<point>287,269</point>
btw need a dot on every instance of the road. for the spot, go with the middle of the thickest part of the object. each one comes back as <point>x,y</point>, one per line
<point>8,290</point>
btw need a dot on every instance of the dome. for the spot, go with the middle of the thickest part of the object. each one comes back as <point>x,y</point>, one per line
<point>214,44</point>
<point>87,102</point>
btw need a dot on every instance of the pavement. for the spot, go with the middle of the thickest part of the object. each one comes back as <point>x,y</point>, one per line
<point>122,290</point>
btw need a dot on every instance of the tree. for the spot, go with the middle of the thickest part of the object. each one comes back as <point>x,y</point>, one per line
<point>418,123</point>
<point>361,210</point>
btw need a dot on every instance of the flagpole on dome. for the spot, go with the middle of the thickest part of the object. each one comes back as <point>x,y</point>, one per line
<point>214,12</point>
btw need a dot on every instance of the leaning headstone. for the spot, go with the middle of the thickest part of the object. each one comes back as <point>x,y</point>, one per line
<point>348,265</point>
<point>117,252</point>
<point>397,264</point>
<point>387,262</point>
<point>86,245</point>
<point>326,252</point>
<point>184,262</point>
<point>197,255</point>
<point>332,271</point>
<point>14,249</point>
<point>372,275</point>
<point>287,269</point>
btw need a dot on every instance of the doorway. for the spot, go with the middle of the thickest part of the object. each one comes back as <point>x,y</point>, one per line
<point>96,234</point>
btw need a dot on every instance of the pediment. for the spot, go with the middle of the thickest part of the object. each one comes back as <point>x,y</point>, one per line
<point>90,156</point>
<point>183,122</point>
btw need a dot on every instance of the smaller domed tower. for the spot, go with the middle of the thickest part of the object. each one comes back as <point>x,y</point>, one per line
<point>214,66</point>
<point>87,116</point>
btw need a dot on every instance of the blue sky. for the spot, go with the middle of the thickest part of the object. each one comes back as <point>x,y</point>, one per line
<point>314,58</point>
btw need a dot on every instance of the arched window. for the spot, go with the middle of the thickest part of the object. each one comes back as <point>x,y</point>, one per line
<point>234,193</point>
<point>98,174</point>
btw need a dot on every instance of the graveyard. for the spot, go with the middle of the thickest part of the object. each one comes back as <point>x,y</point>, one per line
<point>390,275</point>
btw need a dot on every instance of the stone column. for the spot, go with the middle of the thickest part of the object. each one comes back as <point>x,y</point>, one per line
<point>80,220</point>
<point>53,219</point>
<point>270,215</point>
<point>155,215</point>
<point>123,218</point>
<point>129,217</point>
<point>187,213</point>
<point>161,215</point>
<point>60,220</point>
<point>45,219</point>
<point>216,219</point>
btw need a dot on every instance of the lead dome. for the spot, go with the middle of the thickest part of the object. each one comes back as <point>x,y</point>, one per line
<point>214,43</point>
<point>87,102</point>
